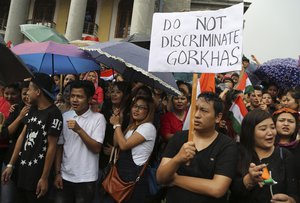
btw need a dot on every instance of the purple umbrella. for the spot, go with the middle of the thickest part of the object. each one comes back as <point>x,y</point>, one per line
<point>285,73</point>
<point>53,58</point>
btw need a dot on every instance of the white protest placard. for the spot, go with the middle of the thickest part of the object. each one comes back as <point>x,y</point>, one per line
<point>197,41</point>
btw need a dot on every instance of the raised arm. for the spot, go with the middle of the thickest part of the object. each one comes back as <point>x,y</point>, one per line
<point>15,124</point>
<point>91,144</point>
<point>123,143</point>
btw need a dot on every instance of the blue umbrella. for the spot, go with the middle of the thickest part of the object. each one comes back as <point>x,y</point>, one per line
<point>285,73</point>
<point>53,58</point>
<point>132,62</point>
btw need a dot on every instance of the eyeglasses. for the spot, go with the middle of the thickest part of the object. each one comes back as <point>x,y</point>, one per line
<point>140,107</point>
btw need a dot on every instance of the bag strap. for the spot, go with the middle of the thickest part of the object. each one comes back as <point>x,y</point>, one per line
<point>143,170</point>
<point>114,155</point>
<point>111,154</point>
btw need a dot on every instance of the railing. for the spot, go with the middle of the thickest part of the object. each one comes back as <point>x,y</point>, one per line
<point>90,28</point>
<point>41,22</point>
<point>3,22</point>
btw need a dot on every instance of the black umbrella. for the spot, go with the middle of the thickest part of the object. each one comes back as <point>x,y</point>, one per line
<point>12,69</point>
<point>132,62</point>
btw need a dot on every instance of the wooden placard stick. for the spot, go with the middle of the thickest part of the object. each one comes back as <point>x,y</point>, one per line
<point>193,106</point>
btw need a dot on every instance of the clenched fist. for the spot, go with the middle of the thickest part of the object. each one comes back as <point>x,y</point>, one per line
<point>187,152</point>
<point>73,125</point>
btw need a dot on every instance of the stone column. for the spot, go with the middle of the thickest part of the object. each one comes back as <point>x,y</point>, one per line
<point>18,13</point>
<point>76,19</point>
<point>176,5</point>
<point>141,20</point>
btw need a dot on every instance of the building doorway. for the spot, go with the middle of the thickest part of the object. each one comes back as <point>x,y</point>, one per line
<point>90,15</point>
<point>43,12</point>
<point>125,8</point>
<point>4,10</point>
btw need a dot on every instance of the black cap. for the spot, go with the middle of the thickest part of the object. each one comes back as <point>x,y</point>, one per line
<point>44,82</point>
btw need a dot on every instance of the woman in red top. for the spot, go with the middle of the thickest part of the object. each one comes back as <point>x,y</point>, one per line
<point>172,122</point>
<point>98,96</point>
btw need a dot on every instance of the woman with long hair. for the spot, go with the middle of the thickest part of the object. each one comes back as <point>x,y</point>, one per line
<point>287,126</point>
<point>11,130</point>
<point>69,78</point>
<point>136,144</point>
<point>257,154</point>
<point>117,104</point>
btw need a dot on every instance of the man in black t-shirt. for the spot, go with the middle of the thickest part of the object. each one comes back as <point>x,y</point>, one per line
<point>36,146</point>
<point>200,170</point>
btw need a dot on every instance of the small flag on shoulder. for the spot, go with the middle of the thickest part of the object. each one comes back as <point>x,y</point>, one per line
<point>237,113</point>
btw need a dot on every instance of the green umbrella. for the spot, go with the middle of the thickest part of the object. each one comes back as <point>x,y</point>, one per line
<point>41,33</point>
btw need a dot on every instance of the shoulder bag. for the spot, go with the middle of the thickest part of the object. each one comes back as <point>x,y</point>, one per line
<point>118,189</point>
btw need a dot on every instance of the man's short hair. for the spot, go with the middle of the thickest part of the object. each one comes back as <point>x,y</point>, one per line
<point>245,59</point>
<point>87,86</point>
<point>256,87</point>
<point>212,97</point>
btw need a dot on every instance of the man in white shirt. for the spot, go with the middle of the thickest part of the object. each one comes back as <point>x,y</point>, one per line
<point>77,158</point>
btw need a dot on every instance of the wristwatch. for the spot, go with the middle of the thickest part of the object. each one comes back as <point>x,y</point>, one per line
<point>117,125</point>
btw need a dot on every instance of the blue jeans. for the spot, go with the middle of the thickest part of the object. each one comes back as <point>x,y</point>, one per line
<point>8,191</point>
<point>76,192</point>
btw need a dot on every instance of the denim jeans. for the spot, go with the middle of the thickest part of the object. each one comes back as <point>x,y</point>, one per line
<point>8,191</point>
<point>76,192</point>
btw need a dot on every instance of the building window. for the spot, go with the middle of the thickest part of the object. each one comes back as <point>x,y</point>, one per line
<point>43,11</point>
<point>124,18</point>
<point>4,10</point>
<point>89,21</point>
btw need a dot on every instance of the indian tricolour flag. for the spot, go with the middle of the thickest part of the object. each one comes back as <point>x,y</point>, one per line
<point>245,84</point>
<point>237,113</point>
<point>206,83</point>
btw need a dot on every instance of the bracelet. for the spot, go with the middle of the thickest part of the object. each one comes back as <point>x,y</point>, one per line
<point>117,125</point>
<point>10,166</point>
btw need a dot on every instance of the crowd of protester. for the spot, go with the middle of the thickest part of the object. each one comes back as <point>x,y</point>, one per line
<point>56,141</point>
